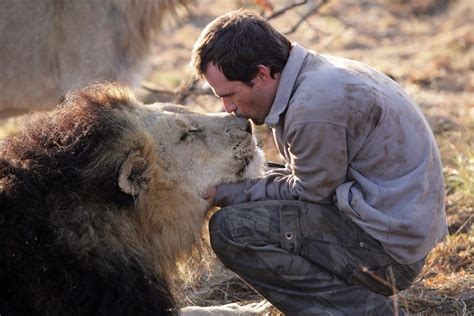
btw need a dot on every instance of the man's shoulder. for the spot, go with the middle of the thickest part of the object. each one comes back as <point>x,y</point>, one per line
<point>327,70</point>
<point>329,89</point>
<point>332,79</point>
<point>319,82</point>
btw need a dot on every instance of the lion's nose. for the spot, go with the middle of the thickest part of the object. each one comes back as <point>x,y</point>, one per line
<point>248,129</point>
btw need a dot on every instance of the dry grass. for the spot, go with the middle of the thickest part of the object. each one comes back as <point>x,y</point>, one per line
<point>427,46</point>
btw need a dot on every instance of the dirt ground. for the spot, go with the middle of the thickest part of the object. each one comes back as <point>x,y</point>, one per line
<point>427,47</point>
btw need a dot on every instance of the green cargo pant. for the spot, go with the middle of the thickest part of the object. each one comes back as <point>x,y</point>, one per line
<point>308,259</point>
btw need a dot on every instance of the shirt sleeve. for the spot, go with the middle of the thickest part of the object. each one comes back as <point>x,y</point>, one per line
<point>317,163</point>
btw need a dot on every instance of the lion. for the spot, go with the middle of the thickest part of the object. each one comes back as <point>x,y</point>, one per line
<point>101,200</point>
<point>48,47</point>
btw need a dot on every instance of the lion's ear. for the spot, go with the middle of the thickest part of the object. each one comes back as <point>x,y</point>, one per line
<point>132,178</point>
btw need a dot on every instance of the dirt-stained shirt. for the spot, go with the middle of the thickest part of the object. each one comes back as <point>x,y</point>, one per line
<point>349,131</point>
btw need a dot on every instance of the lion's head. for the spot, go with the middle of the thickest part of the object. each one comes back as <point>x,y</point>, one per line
<point>105,176</point>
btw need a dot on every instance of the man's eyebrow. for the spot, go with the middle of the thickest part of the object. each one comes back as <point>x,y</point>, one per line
<point>223,95</point>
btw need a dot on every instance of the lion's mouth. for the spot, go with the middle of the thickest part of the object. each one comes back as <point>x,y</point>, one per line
<point>251,160</point>
<point>246,161</point>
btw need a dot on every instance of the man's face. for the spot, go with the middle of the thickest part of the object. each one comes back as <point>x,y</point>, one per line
<point>249,102</point>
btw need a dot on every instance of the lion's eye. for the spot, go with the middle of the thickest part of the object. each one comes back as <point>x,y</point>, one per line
<point>195,131</point>
<point>191,132</point>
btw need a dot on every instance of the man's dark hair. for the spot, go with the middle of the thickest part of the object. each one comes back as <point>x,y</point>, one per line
<point>237,42</point>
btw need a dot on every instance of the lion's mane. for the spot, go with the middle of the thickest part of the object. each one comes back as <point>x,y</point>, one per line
<point>61,227</point>
<point>101,201</point>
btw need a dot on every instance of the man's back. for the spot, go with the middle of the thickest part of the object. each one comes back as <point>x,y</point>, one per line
<point>394,186</point>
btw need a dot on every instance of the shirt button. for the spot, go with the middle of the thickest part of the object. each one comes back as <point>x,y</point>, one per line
<point>361,244</point>
<point>289,235</point>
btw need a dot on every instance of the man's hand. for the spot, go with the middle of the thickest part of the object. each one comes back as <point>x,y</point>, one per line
<point>210,195</point>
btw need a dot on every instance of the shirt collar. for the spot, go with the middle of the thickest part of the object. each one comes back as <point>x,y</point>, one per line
<point>285,86</point>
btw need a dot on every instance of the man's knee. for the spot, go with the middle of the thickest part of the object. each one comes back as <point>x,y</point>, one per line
<point>242,229</point>
<point>219,232</point>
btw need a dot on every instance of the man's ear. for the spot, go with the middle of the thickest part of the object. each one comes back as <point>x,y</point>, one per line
<point>263,73</point>
<point>132,175</point>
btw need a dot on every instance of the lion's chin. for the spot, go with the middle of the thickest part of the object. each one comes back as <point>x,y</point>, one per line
<point>255,167</point>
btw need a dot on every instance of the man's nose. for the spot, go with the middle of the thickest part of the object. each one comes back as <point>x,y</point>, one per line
<point>229,106</point>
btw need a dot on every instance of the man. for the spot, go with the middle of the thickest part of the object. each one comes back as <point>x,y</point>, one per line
<point>350,218</point>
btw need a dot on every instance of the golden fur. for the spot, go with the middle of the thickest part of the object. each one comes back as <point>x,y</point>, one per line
<point>51,46</point>
<point>117,183</point>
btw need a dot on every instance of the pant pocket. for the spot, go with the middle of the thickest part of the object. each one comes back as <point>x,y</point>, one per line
<point>290,228</point>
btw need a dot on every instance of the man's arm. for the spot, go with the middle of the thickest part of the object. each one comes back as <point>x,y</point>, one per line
<point>316,164</point>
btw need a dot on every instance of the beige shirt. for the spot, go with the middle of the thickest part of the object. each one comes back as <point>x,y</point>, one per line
<point>347,129</point>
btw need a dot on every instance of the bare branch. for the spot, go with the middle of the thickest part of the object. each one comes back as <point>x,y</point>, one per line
<point>181,93</point>
<point>310,12</point>
<point>157,90</point>
<point>189,88</point>
<point>284,9</point>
